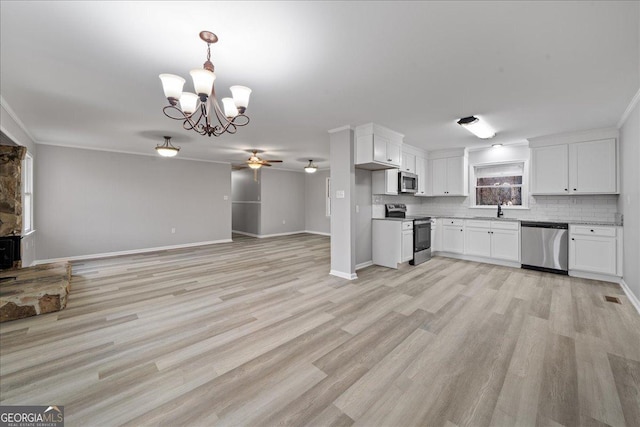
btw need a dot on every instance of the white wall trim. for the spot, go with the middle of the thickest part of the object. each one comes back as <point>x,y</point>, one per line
<point>363,265</point>
<point>15,117</point>
<point>474,258</point>
<point>129,252</point>
<point>629,109</point>
<point>150,154</point>
<point>594,276</point>
<point>634,299</point>
<point>321,233</point>
<point>264,236</point>
<point>341,128</point>
<point>348,276</point>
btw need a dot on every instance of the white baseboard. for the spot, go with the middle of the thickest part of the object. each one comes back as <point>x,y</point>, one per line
<point>129,252</point>
<point>289,233</point>
<point>632,297</point>
<point>244,233</point>
<point>478,259</point>
<point>321,233</point>
<point>348,276</point>
<point>363,265</point>
<point>594,276</point>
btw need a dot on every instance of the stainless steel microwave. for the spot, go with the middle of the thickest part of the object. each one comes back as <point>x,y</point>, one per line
<point>407,182</point>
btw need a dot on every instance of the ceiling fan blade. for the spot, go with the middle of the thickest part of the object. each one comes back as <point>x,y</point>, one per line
<point>274,161</point>
<point>265,164</point>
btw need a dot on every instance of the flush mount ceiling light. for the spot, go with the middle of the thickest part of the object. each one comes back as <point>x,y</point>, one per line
<point>477,127</point>
<point>311,167</point>
<point>200,111</point>
<point>166,149</point>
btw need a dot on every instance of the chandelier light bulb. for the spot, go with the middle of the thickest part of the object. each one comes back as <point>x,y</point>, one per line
<point>203,82</point>
<point>189,102</point>
<point>230,109</point>
<point>241,96</point>
<point>172,86</point>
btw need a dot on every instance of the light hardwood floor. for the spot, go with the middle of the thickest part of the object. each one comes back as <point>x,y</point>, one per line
<point>257,333</point>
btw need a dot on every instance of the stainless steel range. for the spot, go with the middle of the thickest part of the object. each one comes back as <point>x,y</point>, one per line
<point>421,231</point>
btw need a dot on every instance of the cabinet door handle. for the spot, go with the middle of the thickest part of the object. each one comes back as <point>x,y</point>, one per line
<point>573,238</point>
<point>575,189</point>
<point>592,231</point>
<point>566,189</point>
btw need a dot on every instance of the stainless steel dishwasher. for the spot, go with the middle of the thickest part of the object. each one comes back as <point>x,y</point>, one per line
<point>545,246</point>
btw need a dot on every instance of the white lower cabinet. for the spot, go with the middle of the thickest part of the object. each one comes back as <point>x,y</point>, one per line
<point>392,242</point>
<point>407,245</point>
<point>594,249</point>
<point>493,239</point>
<point>452,235</point>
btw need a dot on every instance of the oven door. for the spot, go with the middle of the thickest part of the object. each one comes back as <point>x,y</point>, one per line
<point>421,235</point>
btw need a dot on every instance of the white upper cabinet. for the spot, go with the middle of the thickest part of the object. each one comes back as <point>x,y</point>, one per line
<point>592,167</point>
<point>408,162</point>
<point>449,173</point>
<point>384,182</point>
<point>378,147</point>
<point>550,169</point>
<point>584,163</point>
<point>423,180</point>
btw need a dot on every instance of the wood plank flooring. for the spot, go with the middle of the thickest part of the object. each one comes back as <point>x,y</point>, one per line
<point>256,332</point>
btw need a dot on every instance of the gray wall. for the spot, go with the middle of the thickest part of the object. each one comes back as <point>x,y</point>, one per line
<point>90,202</point>
<point>246,205</point>
<point>13,130</point>
<point>629,200</point>
<point>283,200</point>
<point>363,216</point>
<point>316,218</point>
<point>343,218</point>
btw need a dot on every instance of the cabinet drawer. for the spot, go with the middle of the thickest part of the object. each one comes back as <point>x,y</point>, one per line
<point>407,225</point>
<point>474,223</point>
<point>451,221</point>
<point>586,230</point>
<point>505,225</point>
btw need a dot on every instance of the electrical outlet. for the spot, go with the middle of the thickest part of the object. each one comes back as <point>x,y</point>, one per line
<point>226,197</point>
<point>357,208</point>
<point>284,222</point>
<point>173,230</point>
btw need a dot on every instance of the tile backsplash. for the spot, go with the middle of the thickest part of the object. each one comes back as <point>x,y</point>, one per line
<point>559,208</point>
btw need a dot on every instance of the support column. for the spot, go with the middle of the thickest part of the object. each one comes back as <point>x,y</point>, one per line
<point>343,218</point>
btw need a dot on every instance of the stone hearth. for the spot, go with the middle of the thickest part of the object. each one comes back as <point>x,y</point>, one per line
<point>34,290</point>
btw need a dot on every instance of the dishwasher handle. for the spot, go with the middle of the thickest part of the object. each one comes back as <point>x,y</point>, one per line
<point>538,224</point>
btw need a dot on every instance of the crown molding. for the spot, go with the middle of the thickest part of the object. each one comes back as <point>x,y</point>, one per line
<point>341,128</point>
<point>629,109</point>
<point>14,116</point>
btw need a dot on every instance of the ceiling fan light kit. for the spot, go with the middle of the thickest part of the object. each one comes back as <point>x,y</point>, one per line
<point>477,127</point>
<point>200,111</point>
<point>167,149</point>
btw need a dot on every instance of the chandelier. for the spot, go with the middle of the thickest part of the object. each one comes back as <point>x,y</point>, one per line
<point>200,111</point>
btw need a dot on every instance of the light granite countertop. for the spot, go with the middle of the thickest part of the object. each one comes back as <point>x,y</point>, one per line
<point>488,218</point>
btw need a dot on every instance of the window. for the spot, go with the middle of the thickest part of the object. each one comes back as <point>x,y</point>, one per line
<point>500,184</point>
<point>27,191</point>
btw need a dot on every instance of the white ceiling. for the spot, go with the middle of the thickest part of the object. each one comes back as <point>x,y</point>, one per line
<point>85,74</point>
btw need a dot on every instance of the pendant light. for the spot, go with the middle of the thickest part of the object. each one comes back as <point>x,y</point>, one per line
<point>167,149</point>
<point>311,167</point>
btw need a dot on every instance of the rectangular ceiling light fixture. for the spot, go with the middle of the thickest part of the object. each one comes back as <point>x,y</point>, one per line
<point>477,127</point>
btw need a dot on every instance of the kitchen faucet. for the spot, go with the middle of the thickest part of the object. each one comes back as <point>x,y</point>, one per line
<point>500,213</point>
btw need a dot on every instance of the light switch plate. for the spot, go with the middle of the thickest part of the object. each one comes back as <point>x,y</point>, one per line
<point>340,194</point>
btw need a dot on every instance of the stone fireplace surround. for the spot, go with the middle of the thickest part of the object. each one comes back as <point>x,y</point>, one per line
<point>27,291</point>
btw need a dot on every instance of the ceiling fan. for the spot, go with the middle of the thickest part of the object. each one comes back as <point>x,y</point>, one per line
<point>255,162</point>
